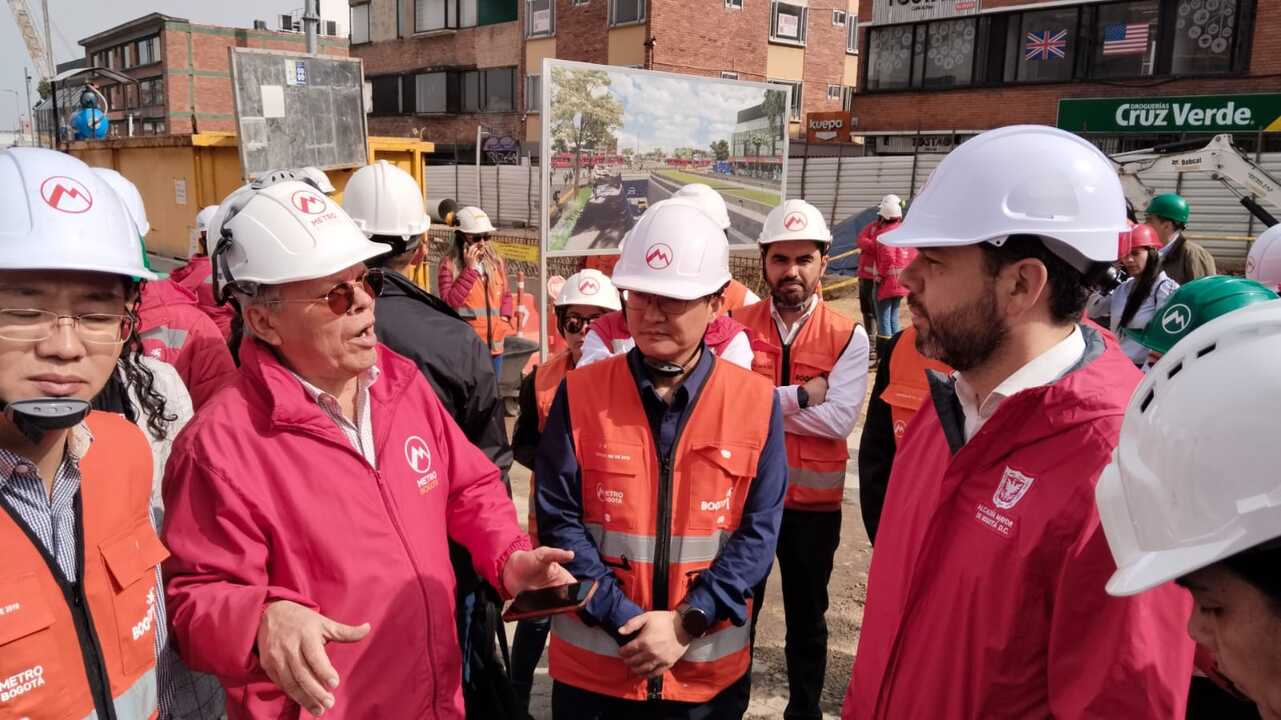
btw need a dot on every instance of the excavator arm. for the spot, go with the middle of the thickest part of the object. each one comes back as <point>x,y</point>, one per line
<point>1220,159</point>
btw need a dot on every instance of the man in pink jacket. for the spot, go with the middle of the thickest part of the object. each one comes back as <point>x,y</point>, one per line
<point>309,504</point>
<point>986,595</point>
<point>174,329</point>
<point>197,275</point>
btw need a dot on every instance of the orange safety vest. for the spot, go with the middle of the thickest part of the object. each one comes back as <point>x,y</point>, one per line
<point>482,310</point>
<point>48,629</point>
<point>815,465</point>
<point>908,386</point>
<point>734,298</point>
<point>656,551</point>
<point>547,380</point>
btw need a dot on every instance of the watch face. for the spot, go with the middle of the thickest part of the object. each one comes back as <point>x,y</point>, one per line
<point>694,622</point>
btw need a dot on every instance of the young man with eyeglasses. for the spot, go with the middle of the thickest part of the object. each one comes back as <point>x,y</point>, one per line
<point>310,504</point>
<point>663,470</point>
<point>82,619</point>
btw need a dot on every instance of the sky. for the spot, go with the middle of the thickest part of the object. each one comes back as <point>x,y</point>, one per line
<point>76,19</point>
<point>706,111</point>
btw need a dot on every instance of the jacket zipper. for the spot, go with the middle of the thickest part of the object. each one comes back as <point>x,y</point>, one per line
<point>662,551</point>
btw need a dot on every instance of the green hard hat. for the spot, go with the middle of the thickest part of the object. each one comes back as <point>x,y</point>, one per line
<point>1170,206</point>
<point>1196,304</point>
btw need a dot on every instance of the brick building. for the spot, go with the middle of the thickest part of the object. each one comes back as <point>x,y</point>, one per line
<point>431,64</point>
<point>183,71</point>
<point>1127,71</point>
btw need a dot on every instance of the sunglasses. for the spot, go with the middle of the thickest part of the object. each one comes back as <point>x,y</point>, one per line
<point>574,324</point>
<point>473,239</point>
<point>342,296</point>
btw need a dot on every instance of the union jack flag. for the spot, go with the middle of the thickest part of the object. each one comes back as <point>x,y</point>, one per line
<point>1041,46</point>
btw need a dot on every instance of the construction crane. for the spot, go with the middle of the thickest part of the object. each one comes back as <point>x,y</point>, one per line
<point>37,48</point>
<point>1219,158</point>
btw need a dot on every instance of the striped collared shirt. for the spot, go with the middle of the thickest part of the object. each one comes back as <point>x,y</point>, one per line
<point>361,433</point>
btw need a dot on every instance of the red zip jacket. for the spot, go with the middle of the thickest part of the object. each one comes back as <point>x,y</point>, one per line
<point>265,500</point>
<point>867,245</point>
<point>890,263</point>
<point>986,592</point>
<point>174,329</point>
<point>197,276</point>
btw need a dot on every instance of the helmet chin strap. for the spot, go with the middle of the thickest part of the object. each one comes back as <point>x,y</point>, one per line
<point>38,417</point>
<point>667,368</point>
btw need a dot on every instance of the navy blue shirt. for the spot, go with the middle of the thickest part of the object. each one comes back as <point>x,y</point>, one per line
<point>722,590</point>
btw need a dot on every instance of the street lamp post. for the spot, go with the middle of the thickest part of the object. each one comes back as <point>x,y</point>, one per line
<point>17,111</point>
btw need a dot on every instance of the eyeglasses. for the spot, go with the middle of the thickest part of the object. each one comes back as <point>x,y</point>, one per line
<point>667,306</point>
<point>574,324</point>
<point>343,295</point>
<point>31,325</point>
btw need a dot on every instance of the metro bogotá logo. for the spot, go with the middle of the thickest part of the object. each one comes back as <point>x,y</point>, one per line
<point>659,256</point>
<point>308,202</point>
<point>66,195</point>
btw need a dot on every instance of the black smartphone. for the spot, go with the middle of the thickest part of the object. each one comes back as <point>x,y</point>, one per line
<point>550,601</point>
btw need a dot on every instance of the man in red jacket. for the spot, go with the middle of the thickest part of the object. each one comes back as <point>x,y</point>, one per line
<point>174,329</point>
<point>197,274</point>
<point>309,504</point>
<point>986,593</point>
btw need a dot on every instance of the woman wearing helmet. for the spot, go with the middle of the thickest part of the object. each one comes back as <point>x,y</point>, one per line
<point>1132,306</point>
<point>473,280</point>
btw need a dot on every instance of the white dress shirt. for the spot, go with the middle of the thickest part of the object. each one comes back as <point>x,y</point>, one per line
<point>836,416</point>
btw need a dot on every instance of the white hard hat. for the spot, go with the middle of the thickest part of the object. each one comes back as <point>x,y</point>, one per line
<point>317,177</point>
<point>794,220</point>
<point>1264,261</point>
<point>708,200</point>
<point>473,221</point>
<point>129,195</point>
<point>382,199</point>
<point>1194,477</point>
<point>589,287</point>
<point>205,217</point>
<point>287,232</point>
<point>891,207</point>
<point>57,214</point>
<point>1021,180</point>
<point>222,209</point>
<point>676,251</point>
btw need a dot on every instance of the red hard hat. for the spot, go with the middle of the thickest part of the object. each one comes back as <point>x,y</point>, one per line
<point>1141,236</point>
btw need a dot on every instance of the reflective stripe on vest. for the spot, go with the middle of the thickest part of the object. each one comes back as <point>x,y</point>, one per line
<point>172,338</point>
<point>711,471</point>
<point>816,465</point>
<point>141,700</point>
<point>467,313</point>
<point>482,310</point>
<point>908,386</point>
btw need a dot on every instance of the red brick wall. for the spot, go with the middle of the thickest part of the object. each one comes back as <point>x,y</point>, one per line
<point>582,32</point>
<point>704,38</point>
<point>446,129</point>
<point>824,56</point>
<point>987,108</point>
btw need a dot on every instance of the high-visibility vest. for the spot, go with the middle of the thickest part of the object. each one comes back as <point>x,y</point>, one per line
<point>908,385</point>
<point>55,636</point>
<point>816,465</point>
<point>735,297</point>
<point>659,525</point>
<point>483,307</point>
<point>547,380</point>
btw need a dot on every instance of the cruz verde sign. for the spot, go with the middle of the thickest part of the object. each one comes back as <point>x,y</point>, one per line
<point>1200,113</point>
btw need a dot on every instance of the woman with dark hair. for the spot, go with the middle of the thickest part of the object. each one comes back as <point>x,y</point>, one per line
<point>1190,496</point>
<point>1132,306</point>
<point>473,281</point>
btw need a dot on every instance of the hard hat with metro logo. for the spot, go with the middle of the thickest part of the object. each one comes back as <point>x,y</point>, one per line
<point>1188,487</point>
<point>56,213</point>
<point>205,217</point>
<point>708,200</point>
<point>1264,261</point>
<point>1021,180</point>
<point>382,199</point>
<point>473,221</point>
<point>1170,206</point>
<point>676,251</point>
<point>286,232</point>
<point>794,220</point>
<point>891,207</point>
<point>1196,304</point>
<point>589,287</point>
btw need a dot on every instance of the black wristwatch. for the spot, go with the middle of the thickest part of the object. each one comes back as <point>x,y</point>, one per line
<point>802,397</point>
<point>693,621</point>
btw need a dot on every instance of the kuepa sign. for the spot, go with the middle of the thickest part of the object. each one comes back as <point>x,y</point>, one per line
<point>1199,113</point>
<point>828,127</point>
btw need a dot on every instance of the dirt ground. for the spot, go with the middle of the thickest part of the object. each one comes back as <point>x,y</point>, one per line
<point>847,591</point>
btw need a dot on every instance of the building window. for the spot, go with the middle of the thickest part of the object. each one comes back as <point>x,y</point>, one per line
<point>540,18</point>
<point>889,57</point>
<point>533,94</point>
<point>430,15</point>
<point>1041,46</point>
<point>851,38</point>
<point>359,24</point>
<point>151,92</point>
<point>847,99</point>
<point>1205,37</point>
<point>734,4</point>
<point>148,50</point>
<point>949,55</point>
<point>833,92</point>
<point>795,114</point>
<point>838,18</point>
<point>626,12</point>
<point>729,75</point>
<point>787,22</point>
<point>431,93</point>
<point>131,96</point>
<point>386,91</point>
<point>500,90</point>
<point>1127,35</point>
<point>579,3</point>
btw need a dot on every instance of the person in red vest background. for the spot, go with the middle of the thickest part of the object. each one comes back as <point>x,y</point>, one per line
<point>473,281</point>
<point>889,214</point>
<point>817,358</point>
<point>663,470</point>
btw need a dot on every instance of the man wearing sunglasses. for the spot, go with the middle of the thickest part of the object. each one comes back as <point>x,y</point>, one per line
<point>81,618</point>
<point>309,506</point>
<point>664,471</point>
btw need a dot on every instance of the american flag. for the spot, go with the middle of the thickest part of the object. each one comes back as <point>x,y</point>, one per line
<point>1040,46</point>
<point>1122,39</point>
